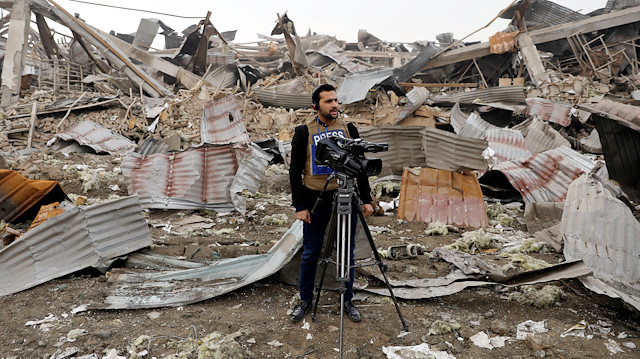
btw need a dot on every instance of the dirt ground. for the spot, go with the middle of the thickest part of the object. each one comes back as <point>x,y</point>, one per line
<point>254,320</point>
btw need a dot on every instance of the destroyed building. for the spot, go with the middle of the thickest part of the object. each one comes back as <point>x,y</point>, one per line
<point>157,180</point>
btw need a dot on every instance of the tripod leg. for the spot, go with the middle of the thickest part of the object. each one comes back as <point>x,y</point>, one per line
<point>381,265</point>
<point>329,239</point>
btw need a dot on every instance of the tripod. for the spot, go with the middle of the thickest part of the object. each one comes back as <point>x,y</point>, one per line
<point>339,231</point>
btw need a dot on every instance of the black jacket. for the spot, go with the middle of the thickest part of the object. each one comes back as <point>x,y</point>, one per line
<point>304,198</point>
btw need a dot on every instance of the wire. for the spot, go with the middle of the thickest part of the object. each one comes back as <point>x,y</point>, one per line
<point>140,10</point>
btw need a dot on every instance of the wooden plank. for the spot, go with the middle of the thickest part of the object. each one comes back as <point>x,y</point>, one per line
<point>435,84</point>
<point>34,110</point>
<point>65,109</point>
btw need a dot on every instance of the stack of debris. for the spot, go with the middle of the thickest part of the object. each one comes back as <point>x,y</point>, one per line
<point>542,116</point>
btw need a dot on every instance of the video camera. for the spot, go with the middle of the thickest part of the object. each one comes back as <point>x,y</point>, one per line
<point>346,155</point>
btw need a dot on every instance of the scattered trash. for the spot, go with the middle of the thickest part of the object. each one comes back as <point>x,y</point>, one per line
<point>482,340</point>
<point>414,352</point>
<point>74,334</point>
<point>439,327</point>
<point>475,241</point>
<point>277,219</point>
<point>546,297</point>
<point>436,228</point>
<point>530,327</point>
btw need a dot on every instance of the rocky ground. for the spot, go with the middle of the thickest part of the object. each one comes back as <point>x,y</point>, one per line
<point>47,321</point>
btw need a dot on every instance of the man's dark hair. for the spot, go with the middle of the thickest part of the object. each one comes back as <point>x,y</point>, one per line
<point>315,96</point>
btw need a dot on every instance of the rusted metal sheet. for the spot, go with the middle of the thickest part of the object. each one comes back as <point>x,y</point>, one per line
<point>199,178</point>
<point>76,239</point>
<point>548,110</point>
<point>442,196</point>
<point>21,198</point>
<point>448,151</point>
<point>405,146</point>
<point>99,138</point>
<point>222,122</point>
<point>601,230</point>
<point>137,290</point>
<point>151,146</point>
<point>545,177</point>
<point>416,98</point>
<point>507,143</point>
<point>540,137</point>
<point>618,126</point>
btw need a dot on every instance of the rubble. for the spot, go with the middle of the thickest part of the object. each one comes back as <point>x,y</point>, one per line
<point>542,114</point>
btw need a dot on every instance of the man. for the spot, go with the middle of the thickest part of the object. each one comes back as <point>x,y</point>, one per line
<point>307,180</point>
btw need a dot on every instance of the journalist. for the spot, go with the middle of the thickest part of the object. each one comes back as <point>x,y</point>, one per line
<point>307,181</point>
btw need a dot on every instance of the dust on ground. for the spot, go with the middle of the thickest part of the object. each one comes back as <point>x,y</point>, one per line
<point>254,319</point>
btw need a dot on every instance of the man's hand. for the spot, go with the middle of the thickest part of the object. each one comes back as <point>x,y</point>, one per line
<point>304,215</point>
<point>367,209</point>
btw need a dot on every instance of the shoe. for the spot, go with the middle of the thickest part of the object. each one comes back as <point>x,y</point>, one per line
<point>300,311</point>
<point>352,312</point>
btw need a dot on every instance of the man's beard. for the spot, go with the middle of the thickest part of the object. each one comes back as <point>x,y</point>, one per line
<point>329,116</point>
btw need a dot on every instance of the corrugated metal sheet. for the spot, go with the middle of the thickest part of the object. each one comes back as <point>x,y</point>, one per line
<point>458,118</point>
<point>99,138</point>
<point>627,115</point>
<point>180,287</point>
<point>76,239</point>
<point>601,230</point>
<point>541,137</point>
<point>223,76</point>
<point>618,126</point>
<point>417,96</point>
<point>151,146</point>
<point>548,110</point>
<point>509,144</point>
<point>335,53</point>
<point>506,97</point>
<point>406,72</point>
<point>354,87</point>
<point>544,13</point>
<point>405,146</point>
<point>476,127</point>
<point>545,177</point>
<point>21,198</point>
<point>249,176</point>
<point>222,122</point>
<point>200,178</point>
<point>591,143</point>
<point>448,151</point>
<point>619,5</point>
<point>273,98</point>
<point>318,60</point>
<point>442,196</point>
<point>220,59</point>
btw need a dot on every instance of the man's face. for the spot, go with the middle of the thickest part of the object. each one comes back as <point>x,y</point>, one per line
<point>328,106</point>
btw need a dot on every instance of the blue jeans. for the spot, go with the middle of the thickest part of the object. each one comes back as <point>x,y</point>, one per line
<point>313,234</point>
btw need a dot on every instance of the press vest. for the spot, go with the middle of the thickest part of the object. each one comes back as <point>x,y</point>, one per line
<point>315,176</point>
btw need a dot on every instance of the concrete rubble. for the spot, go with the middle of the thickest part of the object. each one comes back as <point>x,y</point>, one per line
<point>520,156</point>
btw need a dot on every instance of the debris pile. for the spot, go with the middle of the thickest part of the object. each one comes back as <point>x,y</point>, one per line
<point>512,162</point>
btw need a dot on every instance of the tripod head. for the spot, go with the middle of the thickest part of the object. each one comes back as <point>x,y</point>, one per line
<point>346,155</point>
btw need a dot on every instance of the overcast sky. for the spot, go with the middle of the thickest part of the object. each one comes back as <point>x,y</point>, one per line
<point>401,21</point>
